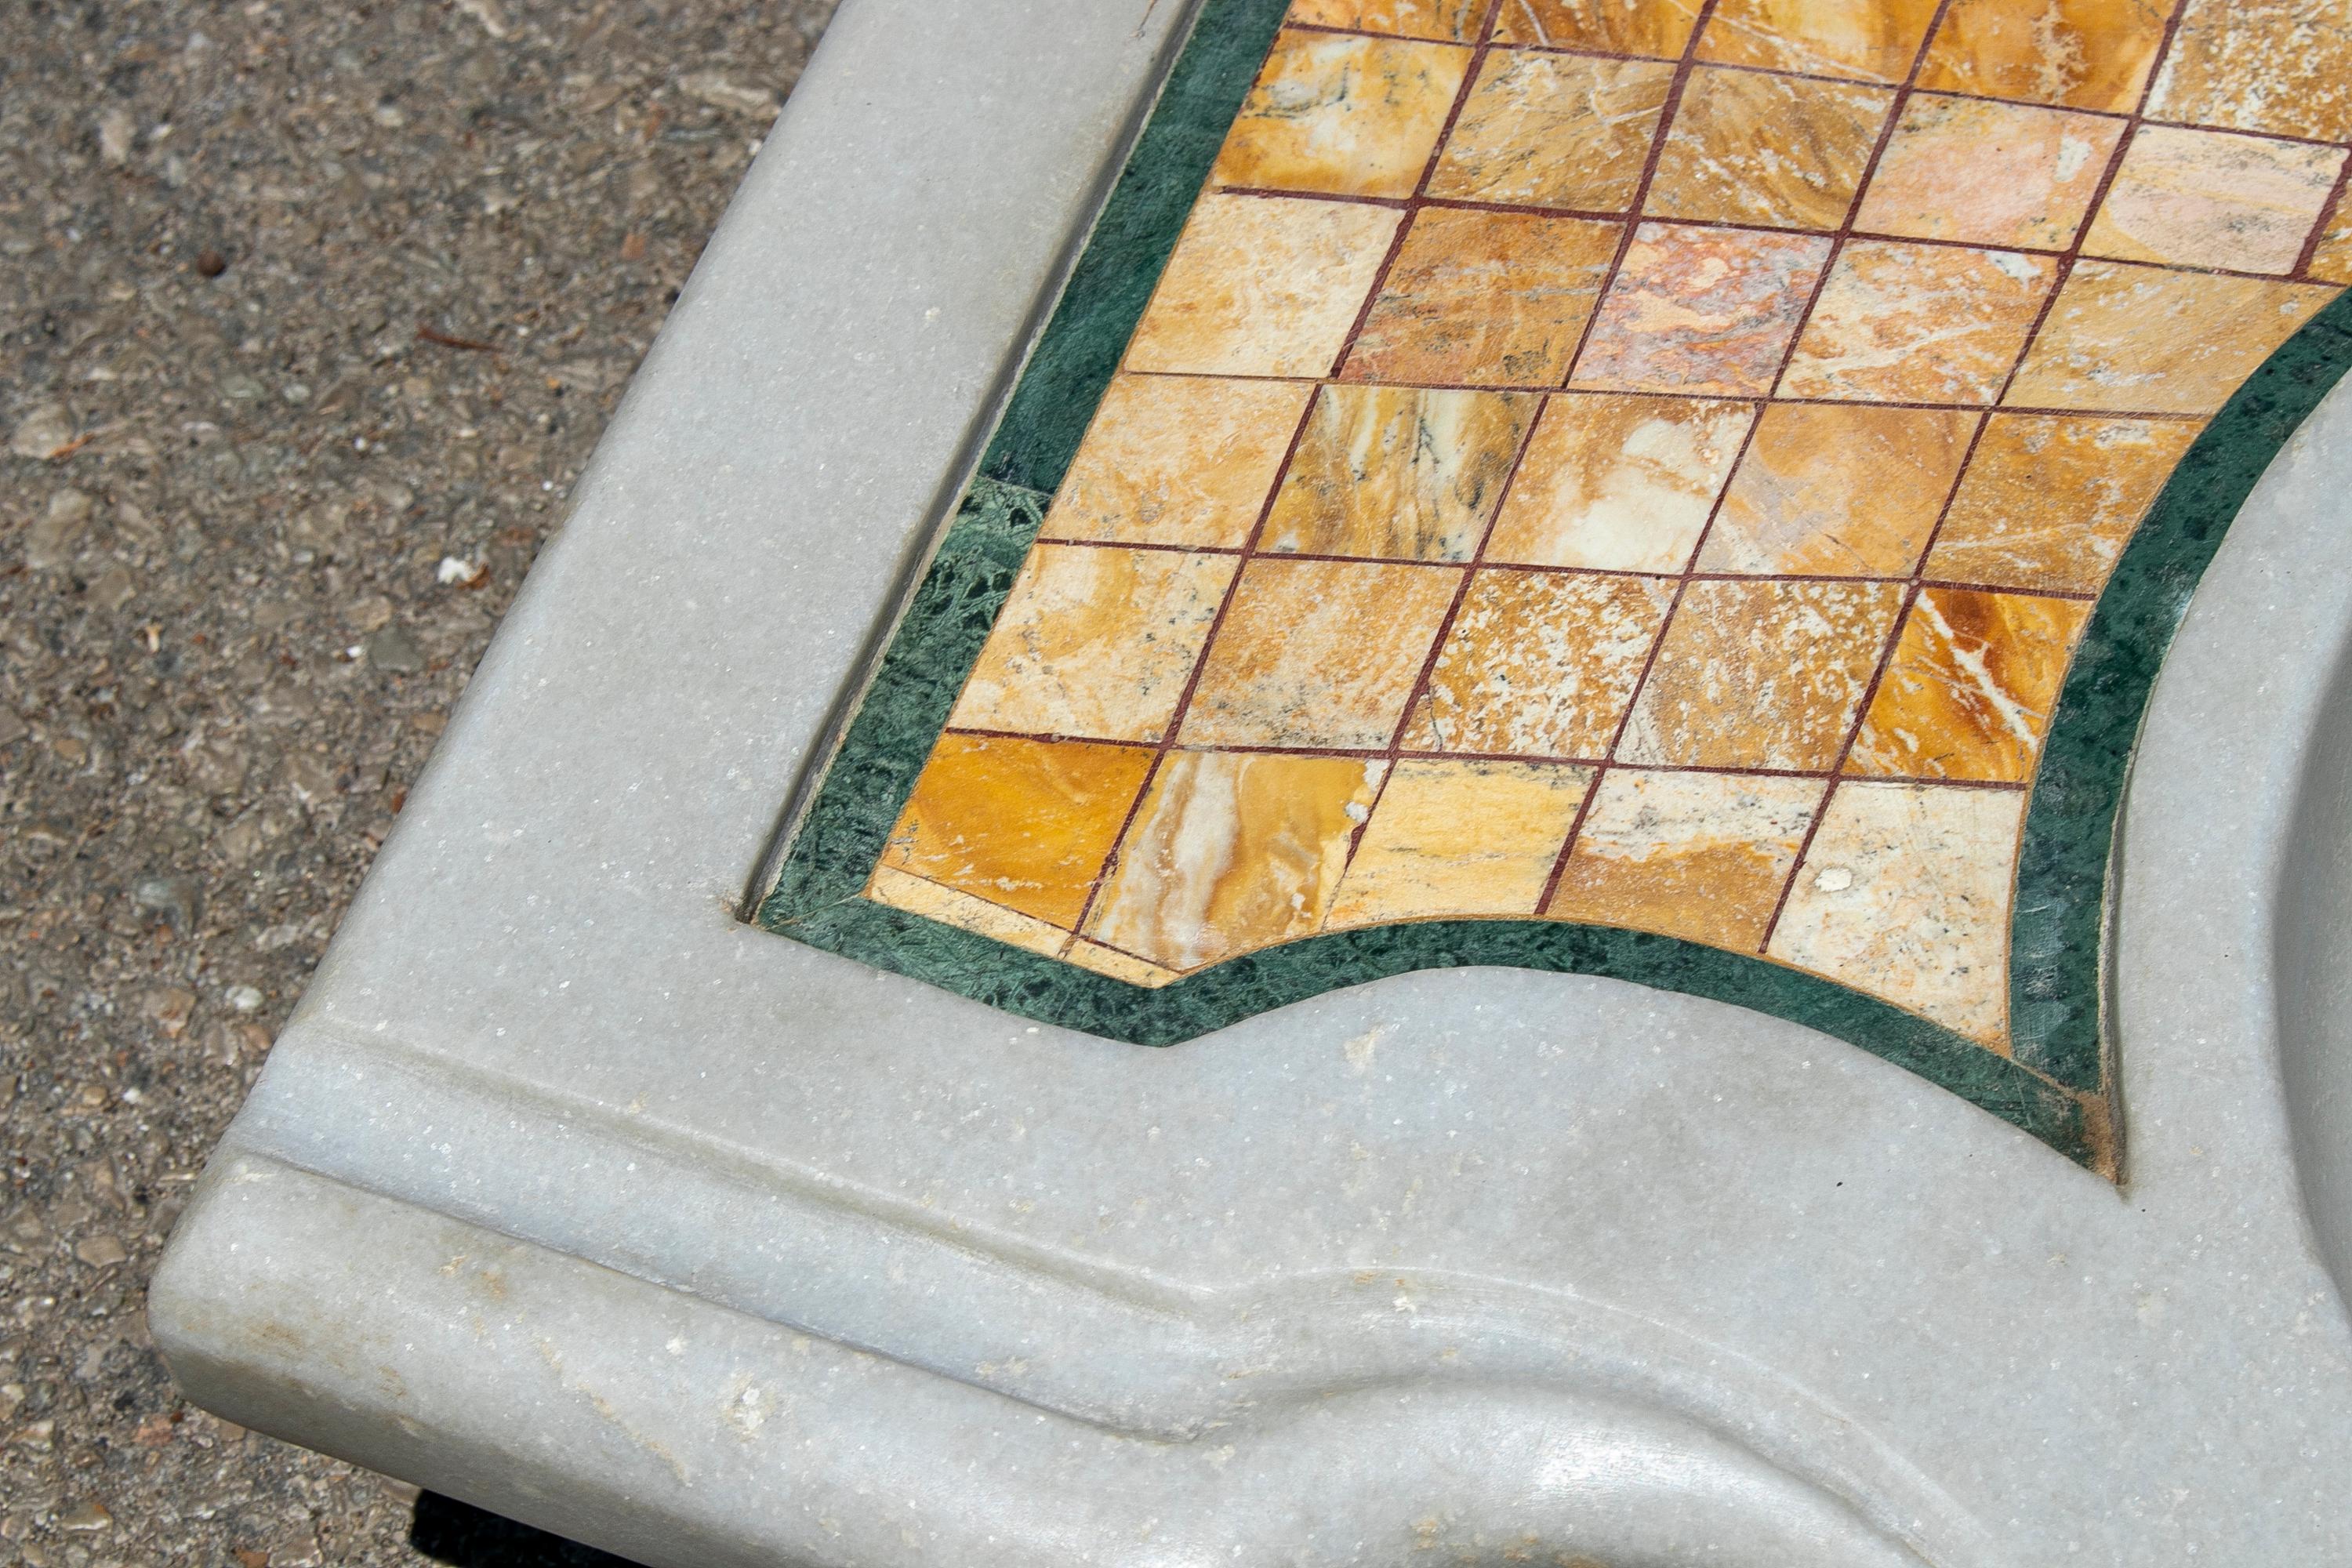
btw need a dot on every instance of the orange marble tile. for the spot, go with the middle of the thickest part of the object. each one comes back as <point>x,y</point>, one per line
<point>1840,491</point>
<point>949,906</point>
<point>2050,500</point>
<point>1874,39</point>
<point>1987,174</point>
<point>1539,664</point>
<point>1094,641</point>
<point>1461,839</point>
<point>1699,855</point>
<point>2080,54</point>
<point>1749,147</point>
<point>1398,473</point>
<point>1022,824</point>
<point>1704,311</point>
<point>1619,482</point>
<point>1661,29</point>
<point>1318,653</point>
<point>1921,323</point>
<point>1763,673</point>
<point>1178,460</point>
<point>2213,198</point>
<point>2281,65</point>
<point>1969,690</point>
<point>1343,114</point>
<point>2123,337</point>
<point>2331,259</point>
<point>1231,852</point>
<point>1455,20</point>
<point>1904,893</point>
<point>1262,286</point>
<point>1485,299</point>
<point>1554,131</point>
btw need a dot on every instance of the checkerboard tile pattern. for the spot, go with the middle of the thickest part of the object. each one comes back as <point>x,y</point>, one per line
<point>1643,463</point>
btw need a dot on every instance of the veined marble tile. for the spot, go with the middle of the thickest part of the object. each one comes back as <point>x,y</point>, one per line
<point>1751,147</point>
<point>1460,838</point>
<point>2283,65</point>
<point>2081,54</point>
<point>1987,174</point>
<point>919,897</point>
<point>1398,473</point>
<point>2124,337</point>
<point>1699,855</point>
<point>1318,653</point>
<point>1094,641</point>
<point>1554,131</point>
<point>1922,323</point>
<point>1904,893</point>
<point>1539,664</point>
<point>1262,286</point>
<point>1705,311</point>
<point>1763,673</point>
<point>2214,198</point>
<point>1456,20</point>
<point>1839,490</point>
<point>2050,500</point>
<point>1661,29</point>
<point>1178,460</point>
<point>1969,690</point>
<point>1232,851</point>
<point>1619,482</point>
<point>1023,823</point>
<point>1874,40</point>
<point>1349,115</point>
<point>1485,299</point>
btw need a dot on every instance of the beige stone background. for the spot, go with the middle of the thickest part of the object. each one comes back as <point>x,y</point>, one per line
<point>309,316</point>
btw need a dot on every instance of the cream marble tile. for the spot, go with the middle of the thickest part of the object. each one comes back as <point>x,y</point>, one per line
<point>1987,174</point>
<point>1485,299</point>
<point>2081,54</point>
<point>1874,39</point>
<point>1398,473</point>
<point>2050,500</point>
<point>2331,259</point>
<point>2213,198</point>
<point>1460,839</point>
<point>1178,460</point>
<point>1619,482</point>
<point>1660,29</point>
<point>1904,894</point>
<point>1699,855</point>
<point>1702,310</point>
<point>949,906</point>
<point>2281,66</point>
<point>1971,687</point>
<point>1752,147</point>
<point>1120,965</point>
<point>1919,323</point>
<point>1338,113</point>
<point>1839,490</point>
<point>1554,131</point>
<point>1262,286</point>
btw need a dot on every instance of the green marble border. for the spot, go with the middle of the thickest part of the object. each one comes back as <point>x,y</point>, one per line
<point>2070,822</point>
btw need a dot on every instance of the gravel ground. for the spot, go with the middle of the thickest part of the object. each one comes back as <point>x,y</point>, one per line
<point>309,316</point>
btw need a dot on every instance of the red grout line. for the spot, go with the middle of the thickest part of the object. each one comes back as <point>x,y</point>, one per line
<point>2301,270</point>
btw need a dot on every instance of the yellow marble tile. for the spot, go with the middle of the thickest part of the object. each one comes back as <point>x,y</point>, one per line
<point>1120,965</point>
<point>1971,689</point>
<point>1904,894</point>
<point>1460,839</point>
<point>2331,259</point>
<point>2213,198</point>
<point>1661,29</point>
<point>1840,491</point>
<point>1554,131</point>
<point>1398,473</point>
<point>1456,20</point>
<point>1343,114</point>
<point>1699,855</point>
<point>1619,482</point>
<point>1762,673</point>
<point>949,906</point>
<point>1318,653</point>
<point>1919,323</point>
<point>2124,337</point>
<point>2281,65</point>
<point>1178,460</point>
<point>2050,500</point>
<point>1485,299</point>
<point>1022,824</point>
<point>1751,147</point>
<point>1874,39</point>
<point>1987,174</point>
<point>1094,641</point>
<point>2080,54</point>
<point>1701,310</point>
<point>1262,286</point>
<point>1539,664</point>
<point>1231,852</point>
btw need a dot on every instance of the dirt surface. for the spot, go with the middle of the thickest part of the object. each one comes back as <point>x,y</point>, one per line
<point>309,316</point>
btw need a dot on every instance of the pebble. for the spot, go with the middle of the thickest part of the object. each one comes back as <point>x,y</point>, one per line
<point>50,543</point>
<point>101,1251</point>
<point>174,899</point>
<point>244,998</point>
<point>42,432</point>
<point>86,1517</point>
<point>394,652</point>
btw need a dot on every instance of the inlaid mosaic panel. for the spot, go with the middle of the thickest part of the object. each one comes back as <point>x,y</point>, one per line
<point>1694,491</point>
